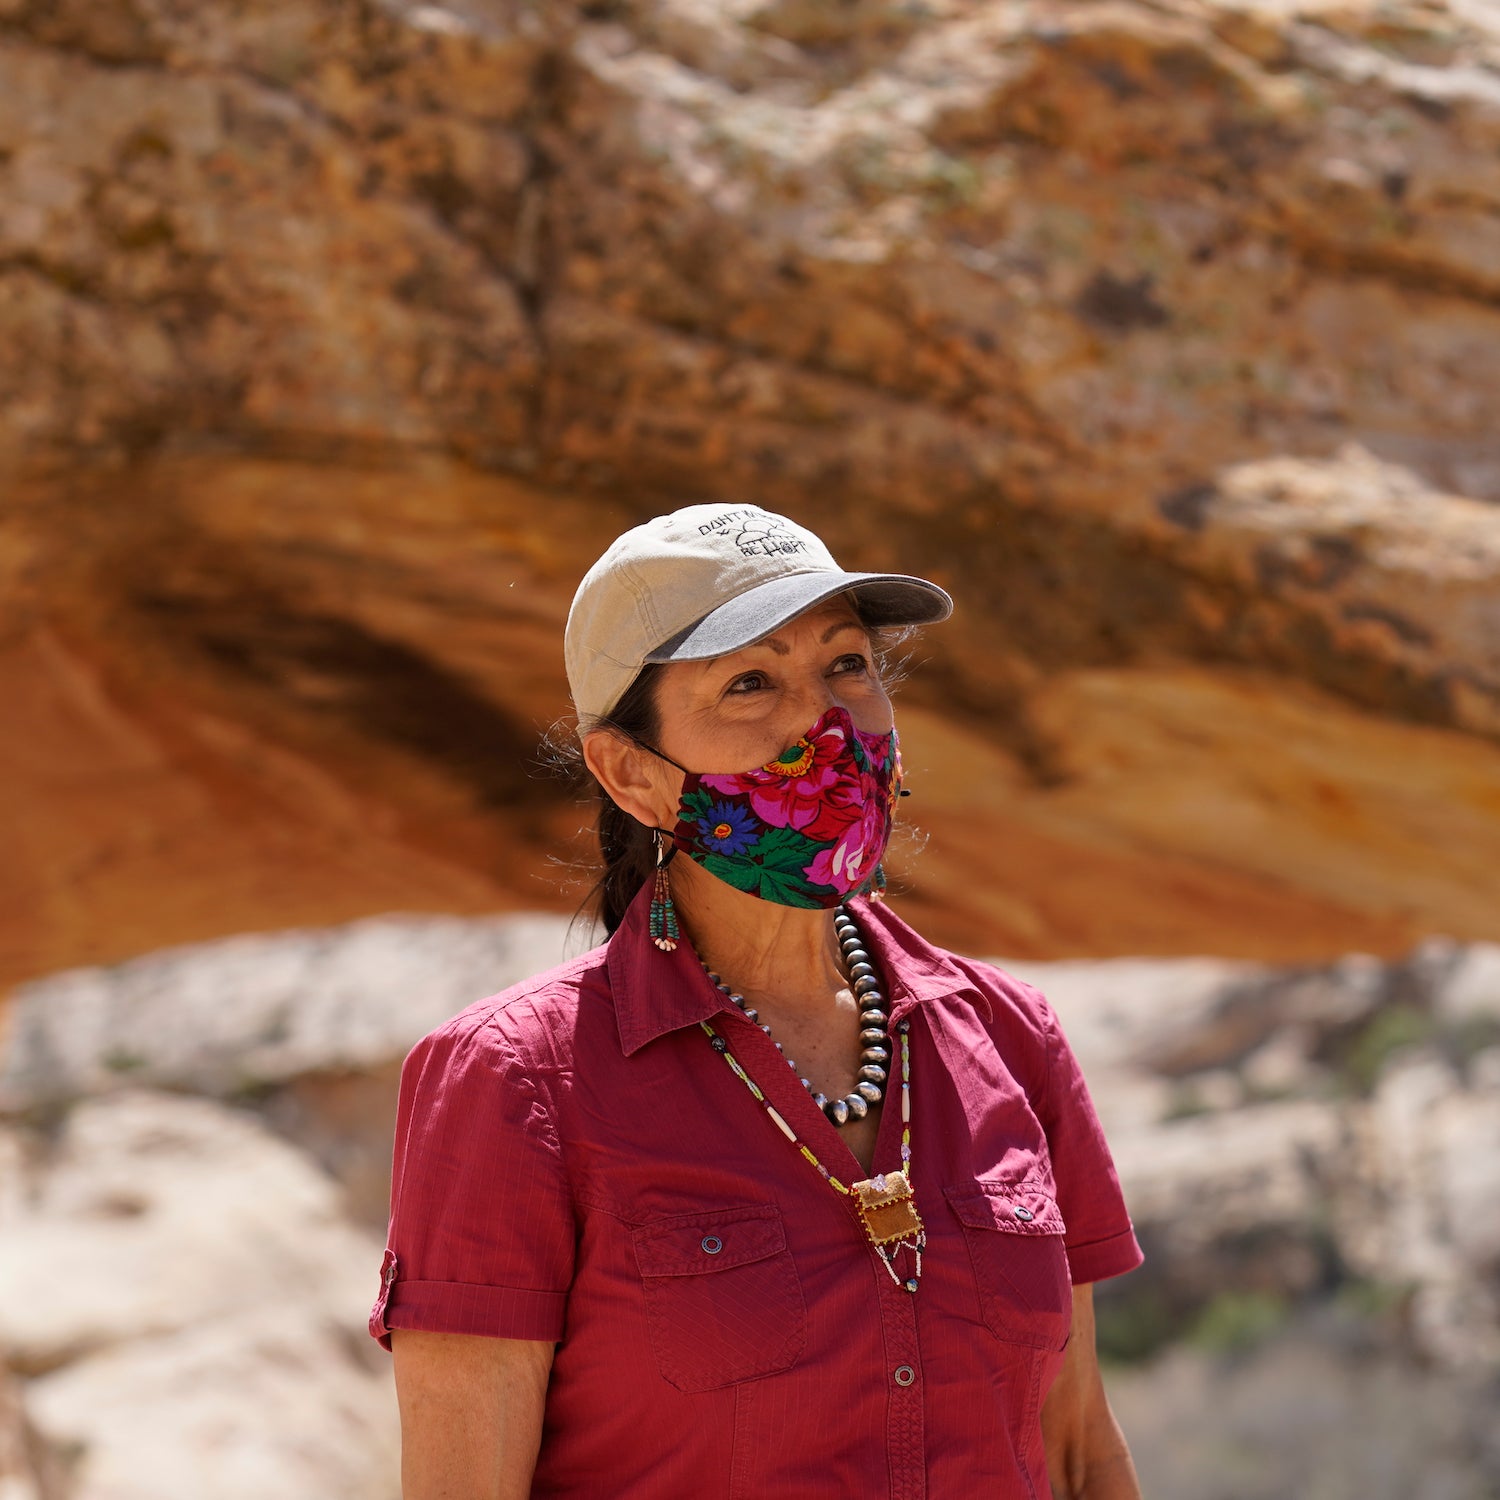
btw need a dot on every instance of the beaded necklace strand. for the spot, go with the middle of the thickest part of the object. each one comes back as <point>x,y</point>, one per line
<point>884,1204</point>
<point>874,1034</point>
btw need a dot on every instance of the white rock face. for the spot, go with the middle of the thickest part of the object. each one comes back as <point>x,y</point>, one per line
<point>1428,1161</point>
<point>271,1402</point>
<point>158,1213</point>
<point>220,1017</point>
<point>191,1289</point>
<point>197,1292</point>
<point>1472,991</point>
<point>1119,1011</point>
<point>1230,1172</point>
<point>25,1470</point>
<point>1175,1016</point>
<point>1252,1142</point>
<point>1299,1417</point>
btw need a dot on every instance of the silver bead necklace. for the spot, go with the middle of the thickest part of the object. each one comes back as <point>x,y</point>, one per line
<point>874,1028</point>
<point>884,1204</point>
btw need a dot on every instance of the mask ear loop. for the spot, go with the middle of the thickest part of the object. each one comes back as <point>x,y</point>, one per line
<point>652,750</point>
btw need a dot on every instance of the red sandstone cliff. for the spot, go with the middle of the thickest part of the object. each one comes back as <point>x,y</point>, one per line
<point>337,336</point>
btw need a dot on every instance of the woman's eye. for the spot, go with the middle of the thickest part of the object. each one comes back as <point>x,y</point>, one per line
<point>852,662</point>
<point>751,682</point>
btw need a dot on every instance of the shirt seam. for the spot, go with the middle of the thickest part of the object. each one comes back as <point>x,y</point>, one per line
<point>400,1148</point>
<point>1053,1036</point>
<point>514,1069</point>
<point>718,1211</point>
<point>640,591</point>
<point>523,1074</point>
<point>487,1286</point>
<point>538,1080</point>
<point>1119,1234</point>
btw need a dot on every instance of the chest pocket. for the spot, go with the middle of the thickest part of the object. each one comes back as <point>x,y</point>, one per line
<point>723,1300</point>
<point>1014,1232</point>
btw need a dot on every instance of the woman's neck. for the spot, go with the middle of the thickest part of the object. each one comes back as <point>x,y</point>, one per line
<point>762,950</point>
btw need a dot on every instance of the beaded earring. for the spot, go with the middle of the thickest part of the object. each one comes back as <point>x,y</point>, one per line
<point>877,884</point>
<point>664,930</point>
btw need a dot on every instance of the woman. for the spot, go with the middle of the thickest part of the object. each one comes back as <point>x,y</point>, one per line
<point>767,1196</point>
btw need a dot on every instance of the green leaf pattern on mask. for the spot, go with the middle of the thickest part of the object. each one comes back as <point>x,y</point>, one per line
<point>785,829</point>
<point>773,868</point>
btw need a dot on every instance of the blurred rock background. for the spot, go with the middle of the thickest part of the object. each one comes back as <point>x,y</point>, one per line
<point>338,336</point>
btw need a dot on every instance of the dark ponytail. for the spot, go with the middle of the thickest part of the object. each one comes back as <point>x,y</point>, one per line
<point>625,846</point>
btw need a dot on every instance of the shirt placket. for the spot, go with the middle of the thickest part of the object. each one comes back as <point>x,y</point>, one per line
<point>905,1426</point>
<point>906,1444</point>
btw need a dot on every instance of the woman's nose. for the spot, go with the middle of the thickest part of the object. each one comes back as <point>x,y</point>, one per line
<point>819,693</point>
<point>823,695</point>
<point>815,695</point>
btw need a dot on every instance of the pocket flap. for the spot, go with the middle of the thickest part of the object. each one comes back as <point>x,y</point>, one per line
<point>699,1243</point>
<point>1014,1207</point>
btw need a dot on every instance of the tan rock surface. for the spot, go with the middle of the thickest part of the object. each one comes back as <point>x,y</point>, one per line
<point>1309,1410</point>
<point>309,1026</point>
<point>1197,811</point>
<point>335,340</point>
<point>28,1469</point>
<point>250,1012</point>
<point>1284,1134</point>
<point>267,1403</point>
<point>193,1313</point>
<point>154,1213</point>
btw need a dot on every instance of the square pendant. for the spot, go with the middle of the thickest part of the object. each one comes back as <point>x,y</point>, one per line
<point>888,1209</point>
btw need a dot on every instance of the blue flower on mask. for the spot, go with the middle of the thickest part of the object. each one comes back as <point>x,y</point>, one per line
<point>728,829</point>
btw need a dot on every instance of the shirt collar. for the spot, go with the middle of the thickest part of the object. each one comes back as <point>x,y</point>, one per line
<point>656,992</point>
<point>912,971</point>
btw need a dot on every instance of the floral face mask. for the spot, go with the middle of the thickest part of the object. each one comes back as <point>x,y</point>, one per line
<point>808,828</point>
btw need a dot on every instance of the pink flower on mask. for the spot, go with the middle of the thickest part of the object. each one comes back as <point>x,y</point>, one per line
<point>815,820</point>
<point>843,864</point>
<point>803,786</point>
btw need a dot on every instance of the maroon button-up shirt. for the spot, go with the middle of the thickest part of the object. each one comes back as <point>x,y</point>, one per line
<point>573,1163</point>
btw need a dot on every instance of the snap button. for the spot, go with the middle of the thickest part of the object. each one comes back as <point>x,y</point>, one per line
<point>1024,1213</point>
<point>712,1244</point>
<point>905,1374</point>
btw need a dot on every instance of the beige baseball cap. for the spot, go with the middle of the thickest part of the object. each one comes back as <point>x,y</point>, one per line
<point>708,580</point>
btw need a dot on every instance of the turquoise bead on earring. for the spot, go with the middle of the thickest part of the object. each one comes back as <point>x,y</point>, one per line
<point>663,917</point>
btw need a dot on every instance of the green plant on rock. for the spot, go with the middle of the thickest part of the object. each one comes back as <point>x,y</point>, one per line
<point>1389,1031</point>
<point>952,182</point>
<point>1133,1324</point>
<point>1236,1321</point>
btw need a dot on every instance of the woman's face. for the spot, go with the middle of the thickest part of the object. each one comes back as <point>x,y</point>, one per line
<point>738,711</point>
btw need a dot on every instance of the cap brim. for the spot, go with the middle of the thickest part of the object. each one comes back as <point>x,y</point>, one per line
<point>880,598</point>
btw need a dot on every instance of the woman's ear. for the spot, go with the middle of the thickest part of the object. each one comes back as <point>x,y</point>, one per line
<point>631,776</point>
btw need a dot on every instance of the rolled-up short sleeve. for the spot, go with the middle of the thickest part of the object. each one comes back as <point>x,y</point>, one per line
<point>481,1233</point>
<point>1100,1241</point>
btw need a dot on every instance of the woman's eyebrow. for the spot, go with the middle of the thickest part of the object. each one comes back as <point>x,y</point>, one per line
<point>839,625</point>
<point>781,648</point>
